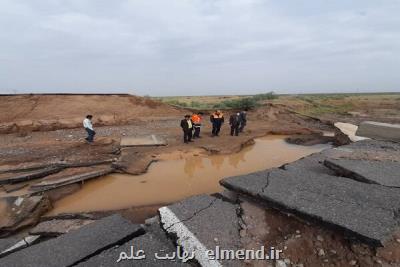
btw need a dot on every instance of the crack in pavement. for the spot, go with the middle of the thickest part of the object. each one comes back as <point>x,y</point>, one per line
<point>110,246</point>
<point>309,190</point>
<point>193,215</point>
<point>265,186</point>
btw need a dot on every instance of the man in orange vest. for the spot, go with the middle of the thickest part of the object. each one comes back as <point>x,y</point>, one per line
<point>196,118</point>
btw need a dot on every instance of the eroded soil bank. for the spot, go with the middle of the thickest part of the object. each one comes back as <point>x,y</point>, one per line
<point>40,167</point>
<point>171,180</point>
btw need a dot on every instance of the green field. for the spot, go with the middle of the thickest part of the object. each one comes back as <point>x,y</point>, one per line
<point>309,104</point>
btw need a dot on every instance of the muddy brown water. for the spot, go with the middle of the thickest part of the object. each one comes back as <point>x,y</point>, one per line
<point>172,180</point>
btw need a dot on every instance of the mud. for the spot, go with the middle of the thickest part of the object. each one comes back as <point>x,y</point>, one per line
<point>174,179</point>
<point>315,246</point>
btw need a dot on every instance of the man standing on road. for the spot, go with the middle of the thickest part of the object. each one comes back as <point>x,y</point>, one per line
<point>87,124</point>
<point>217,119</point>
<point>235,122</point>
<point>187,127</point>
<point>196,119</point>
<point>243,120</point>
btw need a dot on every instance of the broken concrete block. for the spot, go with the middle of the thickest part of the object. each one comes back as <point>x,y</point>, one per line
<point>203,223</point>
<point>154,241</point>
<point>69,177</point>
<point>349,130</point>
<point>151,140</point>
<point>380,131</point>
<point>6,178</point>
<point>58,227</point>
<point>18,212</point>
<point>385,173</point>
<point>363,210</point>
<point>76,246</point>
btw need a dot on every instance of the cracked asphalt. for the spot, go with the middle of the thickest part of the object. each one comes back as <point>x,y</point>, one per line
<point>363,210</point>
<point>312,191</point>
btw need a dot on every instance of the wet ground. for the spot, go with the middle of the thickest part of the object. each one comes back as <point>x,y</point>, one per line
<point>174,179</point>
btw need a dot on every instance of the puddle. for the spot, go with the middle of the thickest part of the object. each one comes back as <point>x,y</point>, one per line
<point>172,180</point>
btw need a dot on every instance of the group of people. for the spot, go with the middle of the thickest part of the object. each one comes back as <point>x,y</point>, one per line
<point>191,124</point>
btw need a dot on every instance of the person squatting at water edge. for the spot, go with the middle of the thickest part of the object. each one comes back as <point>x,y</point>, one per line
<point>87,124</point>
<point>217,119</point>
<point>187,128</point>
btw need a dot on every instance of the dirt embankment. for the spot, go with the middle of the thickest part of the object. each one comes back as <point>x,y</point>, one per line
<point>133,116</point>
<point>44,149</point>
<point>27,113</point>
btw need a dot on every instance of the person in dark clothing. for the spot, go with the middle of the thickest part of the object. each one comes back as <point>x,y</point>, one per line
<point>217,119</point>
<point>235,122</point>
<point>243,120</point>
<point>187,127</point>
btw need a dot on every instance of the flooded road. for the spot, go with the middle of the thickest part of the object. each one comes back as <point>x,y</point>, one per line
<point>171,180</point>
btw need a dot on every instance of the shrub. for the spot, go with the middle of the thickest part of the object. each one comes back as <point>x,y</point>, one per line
<point>241,103</point>
<point>266,96</point>
<point>176,103</point>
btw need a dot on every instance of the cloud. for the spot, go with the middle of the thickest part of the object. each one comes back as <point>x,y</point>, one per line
<point>199,47</point>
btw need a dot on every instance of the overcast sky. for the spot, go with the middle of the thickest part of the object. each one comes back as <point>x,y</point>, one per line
<point>199,47</point>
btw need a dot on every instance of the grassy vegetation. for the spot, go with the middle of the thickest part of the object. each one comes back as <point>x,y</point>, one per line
<point>323,104</point>
<point>341,104</point>
<point>222,102</point>
<point>317,105</point>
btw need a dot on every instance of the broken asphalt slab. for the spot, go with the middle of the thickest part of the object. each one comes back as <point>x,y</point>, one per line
<point>151,140</point>
<point>58,227</point>
<point>367,211</point>
<point>76,246</point>
<point>374,145</point>
<point>361,150</point>
<point>203,223</point>
<point>9,178</point>
<point>312,163</point>
<point>380,131</point>
<point>61,179</point>
<point>154,241</point>
<point>385,173</point>
<point>33,168</point>
<point>17,212</point>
